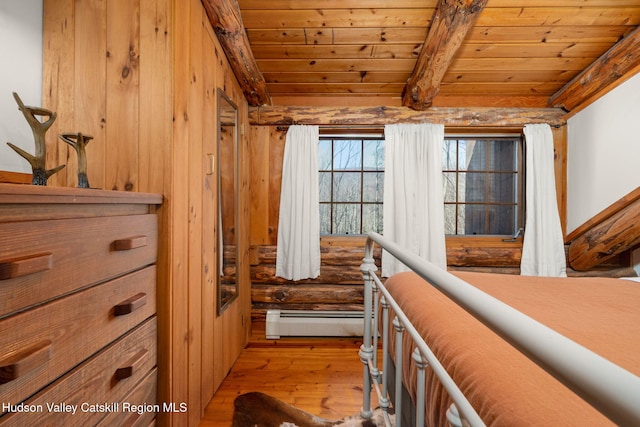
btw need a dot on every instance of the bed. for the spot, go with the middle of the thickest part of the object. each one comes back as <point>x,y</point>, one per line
<point>510,351</point>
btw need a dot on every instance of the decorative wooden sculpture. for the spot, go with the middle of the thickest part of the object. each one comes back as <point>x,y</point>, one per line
<point>37,161</point>
<point>78,141</point>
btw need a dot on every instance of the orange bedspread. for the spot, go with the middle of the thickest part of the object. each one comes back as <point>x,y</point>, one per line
<point>503,385</point>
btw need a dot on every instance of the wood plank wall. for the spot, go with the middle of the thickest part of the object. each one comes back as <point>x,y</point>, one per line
<point>141,76</point>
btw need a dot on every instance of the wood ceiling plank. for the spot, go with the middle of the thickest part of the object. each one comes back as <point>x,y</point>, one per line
<point>509,76</point>
<point>420,17</point>
<point>478,34</point>
<point>458,65</point>
<point>559,16</point>
<point>289,36</point>
<point>504,89</point>
<point>548,34</point>
<point>411,51</point>
<point>343,77</point>
<point>406,51</point>
<point>328,18</point>
<point>474,89</point>
<point>533,50</point>
<point>520,64</point>
<point>334,88</point>
<point>334,65</point>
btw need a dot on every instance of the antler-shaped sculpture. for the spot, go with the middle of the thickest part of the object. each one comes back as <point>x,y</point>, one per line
<point>78,141</point>
<point>37,161</point>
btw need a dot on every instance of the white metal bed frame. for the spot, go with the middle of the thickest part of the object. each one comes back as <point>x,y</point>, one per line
<point>610,389</point>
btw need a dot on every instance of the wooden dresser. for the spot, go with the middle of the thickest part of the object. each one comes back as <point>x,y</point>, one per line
<point>78,343</point>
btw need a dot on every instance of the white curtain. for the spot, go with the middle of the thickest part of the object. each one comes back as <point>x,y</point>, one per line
<point>543,247</point>
<point>413,195</point>
<point>298,247</point>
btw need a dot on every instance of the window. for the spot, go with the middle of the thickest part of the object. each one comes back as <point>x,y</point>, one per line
<point>482,178</point>
<point>351,180</point>
<point>482,185</point>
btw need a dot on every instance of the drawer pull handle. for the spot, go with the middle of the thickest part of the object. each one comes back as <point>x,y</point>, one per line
<point>21,362</point>
<point>130,243</point>
<point>25,265</point>
<point>130,305</point>
<point>131,365</point>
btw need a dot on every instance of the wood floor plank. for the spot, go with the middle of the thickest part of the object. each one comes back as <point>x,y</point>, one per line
<point>320,375</point>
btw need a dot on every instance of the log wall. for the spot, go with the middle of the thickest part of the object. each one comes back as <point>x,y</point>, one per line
<point>339,285</point>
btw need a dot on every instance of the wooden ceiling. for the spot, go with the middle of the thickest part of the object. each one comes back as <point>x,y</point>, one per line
<point>506,53</point>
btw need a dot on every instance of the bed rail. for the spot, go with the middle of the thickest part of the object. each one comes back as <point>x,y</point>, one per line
<point>609,388</point>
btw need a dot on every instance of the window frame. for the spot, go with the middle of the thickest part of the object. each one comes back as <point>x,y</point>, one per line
<point>346,135</point>
<point>520,208</point>
<point>491,239</point>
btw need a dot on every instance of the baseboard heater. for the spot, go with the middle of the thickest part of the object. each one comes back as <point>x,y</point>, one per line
<point>311,323</point>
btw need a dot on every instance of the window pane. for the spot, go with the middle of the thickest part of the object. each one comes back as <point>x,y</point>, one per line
<point>373,154</point>
<point>502,155</point>
<point>501,219</point>
<point>325,219</point>
<point>324,155</point>
<point>346,186</point>
<point>347,154</point>
<point>482,196</point>
<point>449,219</point>
<point>475,186</point>
<point>475,219</point>
<point>450,187</point>
<point>462,209</point>
<point>372,218</point>
<point>324,186</point>
<point>449,150</point>
<point>372,190</point>
<point>502,187</point>
<point>475,155</point>
<point>346,219</point>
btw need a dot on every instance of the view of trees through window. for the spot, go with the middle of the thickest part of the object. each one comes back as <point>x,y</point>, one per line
<point>351,180</point>
<point>481,178</point>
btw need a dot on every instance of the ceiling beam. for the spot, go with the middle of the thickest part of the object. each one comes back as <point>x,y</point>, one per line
<point>226,21</point>
<point>617,62</point>
<point>380,116</point>
<point>451,21</point>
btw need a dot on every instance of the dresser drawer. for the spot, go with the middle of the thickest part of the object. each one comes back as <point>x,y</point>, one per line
<point>40,260</point>
<point>139,408</point>
<point>39,345</point>
<point>102,380</point>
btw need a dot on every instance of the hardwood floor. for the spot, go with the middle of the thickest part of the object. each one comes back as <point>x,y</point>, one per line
<point>320,375</point>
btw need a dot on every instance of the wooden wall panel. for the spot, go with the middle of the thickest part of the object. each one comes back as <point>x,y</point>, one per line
<point>179,227</point>
<point>122,89</point>
<point>156,92</point>
<point>154,162</point>
<point>209,207</point>
<point>89,91</point>
<point>195,184</point>
<point>58,82</point>
<point>259,158</point>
